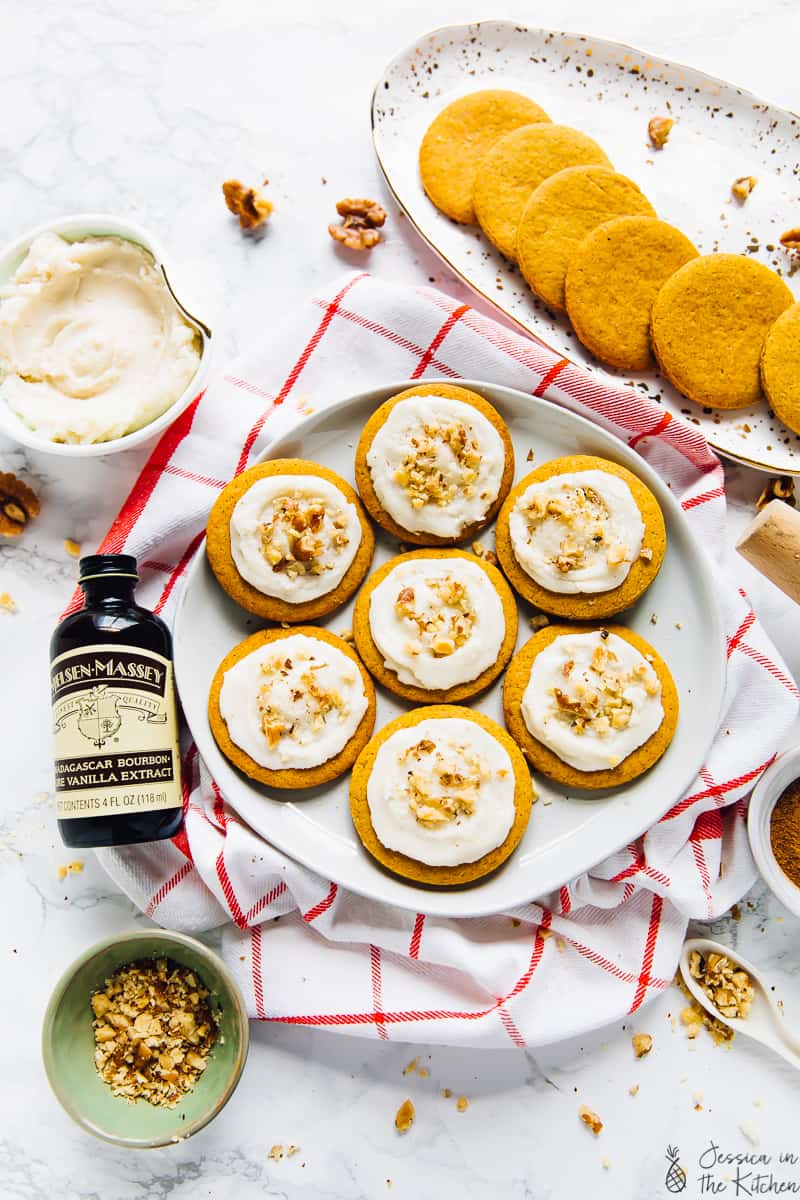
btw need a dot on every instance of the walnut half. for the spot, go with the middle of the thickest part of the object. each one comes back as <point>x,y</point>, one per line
<point>18,505</point>
<point>359,227</point>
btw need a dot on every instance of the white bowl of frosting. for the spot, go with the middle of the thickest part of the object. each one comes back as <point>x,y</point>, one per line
<point>97,354</point>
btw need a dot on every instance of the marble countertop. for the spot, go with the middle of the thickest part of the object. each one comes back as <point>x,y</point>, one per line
<point>143,110</point>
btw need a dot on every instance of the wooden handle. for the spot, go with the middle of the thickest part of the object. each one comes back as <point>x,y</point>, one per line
<point>771,543</point>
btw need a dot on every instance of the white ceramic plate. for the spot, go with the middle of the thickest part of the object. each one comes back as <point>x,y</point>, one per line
<point>609,91</point>
<point>563,838</point>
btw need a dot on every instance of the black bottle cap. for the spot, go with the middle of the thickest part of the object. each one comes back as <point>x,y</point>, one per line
<point>95,565</point>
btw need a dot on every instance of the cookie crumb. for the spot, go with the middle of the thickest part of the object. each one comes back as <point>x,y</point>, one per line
<point>72,547</point>
<point>590,1119</point>
<point>447,1093</point>
<point>606,1163</point>
<point>75,867</point>
<point>276,1153</point>
<point>462,1103</point>
<point>291,1149</point>
<point>347,635</point>
<point>658,130</point>
<point>423,1072</point>
<point>642,1044</point>
<point>404,1117</point>
<point>7,603</point>
<point>529,456</point>
<point>539,621</point>
<point>633,1090</point>
<point>62,872</point>
<point>411,1067</point>
<point>743,186</point>
<point>790,240</point>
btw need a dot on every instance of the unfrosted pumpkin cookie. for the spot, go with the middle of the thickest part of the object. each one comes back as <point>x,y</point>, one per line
<point>709,323</point>
<point>780,367</point>
<point>558,216</point>
<point>581,537</point>
<point>434,464</point>
<point>435,626</point>
<point>515,166</point>
<point>289,540</point>
<point>457,139</point>
<point>291,708</point>
<point>441,795</point>
<point>613,278</point>
<point>590,709</point>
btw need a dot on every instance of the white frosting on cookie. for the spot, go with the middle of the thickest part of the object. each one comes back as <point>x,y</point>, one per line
<point>592,700</point>
<point>577,532</point>
<point>438,622</point>
<point>293,703</point>
<point>442,792</point>
<point>436,465</point>
<point>294,536</point>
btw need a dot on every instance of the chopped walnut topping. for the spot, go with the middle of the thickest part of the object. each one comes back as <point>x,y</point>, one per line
<point>425,474</point>
<point>642,1044</point>
<point>646,554</point>
<point>304,712</point>
<point>441,788</point>
<point>153,1030</point>
<point>359,228</point>
<point>441,630</point>
<point>246,203</point>
<point>302,535</point>
<point>404,1117</point>
<point>18,505</point>
<point>590,1119</point>
<point>597,702</point>
<point>584,514</point>
<point>539,621</point>
<point>790,240</point>
<point>727,986</point>
<point>743,186</point>
<point>694,1018</point>
<point>779,488</point>
<point>658,130</point>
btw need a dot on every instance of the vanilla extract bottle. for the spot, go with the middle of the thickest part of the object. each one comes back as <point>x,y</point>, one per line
<point>115,721</point>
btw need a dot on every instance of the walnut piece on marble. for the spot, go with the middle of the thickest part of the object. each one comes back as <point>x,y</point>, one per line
<point>19,505</point>
<point>359,227</point>
<point>590,1119</point>
<point>247,203</point>
<point>790,240</point>
<point>404,1117</point>
<point>642,1044</point>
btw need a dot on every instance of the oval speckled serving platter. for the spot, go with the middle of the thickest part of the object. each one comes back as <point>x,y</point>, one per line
<point>569,830</point>
<point>609,91</point>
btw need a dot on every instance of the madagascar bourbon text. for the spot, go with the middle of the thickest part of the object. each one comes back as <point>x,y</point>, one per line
<point>115,731</point>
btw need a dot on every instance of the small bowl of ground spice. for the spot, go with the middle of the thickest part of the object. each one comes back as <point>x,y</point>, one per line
<point>145,1038</point>
<point>773,825</point>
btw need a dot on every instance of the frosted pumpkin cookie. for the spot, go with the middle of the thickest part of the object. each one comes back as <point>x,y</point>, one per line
<point>291,708</point>
<point>457,139</point>
<point>581,537</point>
<point>709,323</point>
<point>441,795</point>
<point>435,626</point>
<point>780,367</point>
<point>289,540</point>
<point>434,464</point>
<point>515,166</point>
<point>590,709</point>
<point>558,216</point>
<point>613,278</point>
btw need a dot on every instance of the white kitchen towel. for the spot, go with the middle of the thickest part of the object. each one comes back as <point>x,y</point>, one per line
<point>603,944</point>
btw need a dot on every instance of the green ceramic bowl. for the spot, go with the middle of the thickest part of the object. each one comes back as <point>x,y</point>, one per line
<point>68,1044</point>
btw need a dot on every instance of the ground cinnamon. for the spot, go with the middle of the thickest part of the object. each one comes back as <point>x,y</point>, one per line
<point>784,831</point>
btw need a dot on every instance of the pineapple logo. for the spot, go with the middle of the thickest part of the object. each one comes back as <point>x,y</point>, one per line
<point>675,1180</point>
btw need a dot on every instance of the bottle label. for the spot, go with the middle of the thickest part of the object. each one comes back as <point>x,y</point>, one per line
<point>115,728</point>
